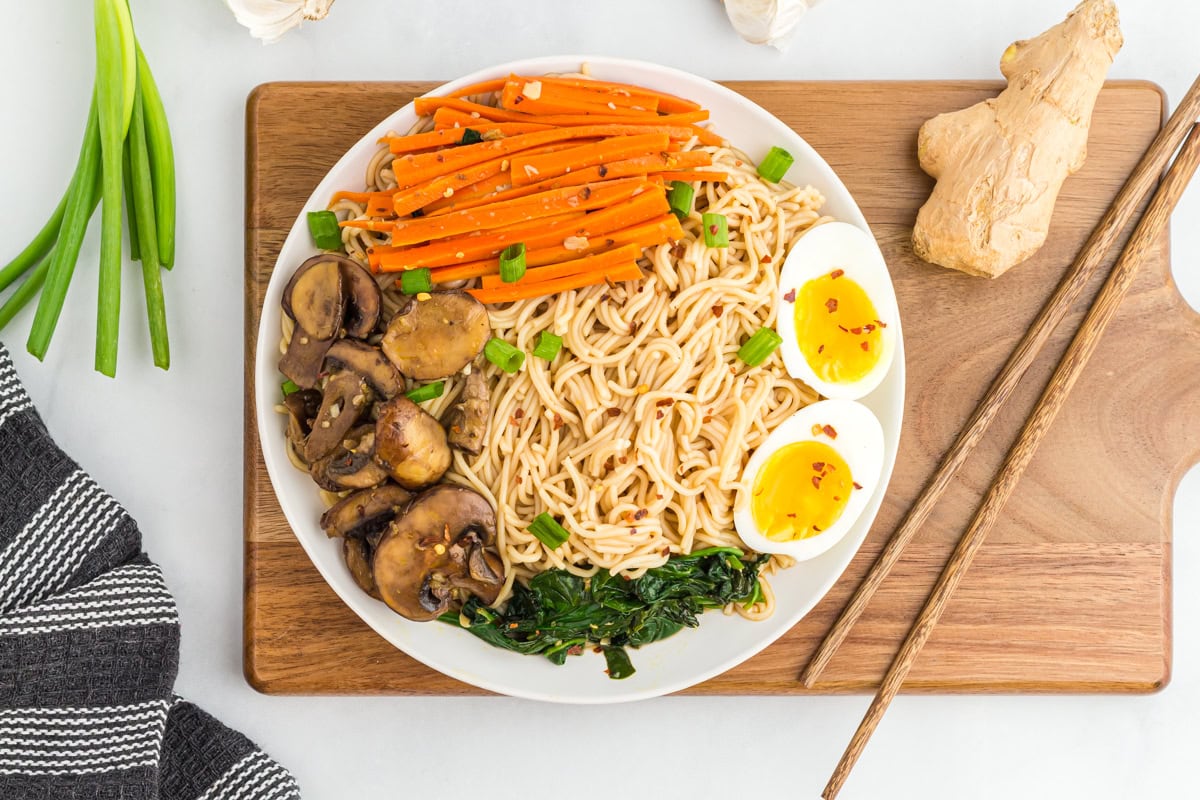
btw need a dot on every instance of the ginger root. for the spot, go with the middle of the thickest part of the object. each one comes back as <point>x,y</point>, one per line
<point>1000,164</point>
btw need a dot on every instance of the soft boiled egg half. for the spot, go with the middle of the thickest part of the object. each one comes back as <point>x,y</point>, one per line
<point>807,484</point>
<point>837,312</point>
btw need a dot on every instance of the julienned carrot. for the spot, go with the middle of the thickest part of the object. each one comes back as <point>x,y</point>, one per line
<point>536,206</point>
<point>691,176</point>
<point>483,87</point>
<point>446,117</point>
<point>600,262</point>
<point>379,204</point>
<point>448,137</point>
<point>424,106</point>
<point>644,98</point>
<point>535,236</point>
<point>530,168</point>
<point>666,102</point>
<point>354,197</point>
<point>643,166</point>
<point>461,249</point>
<point>407,200</point>
<point>647,234</point>
<point>534,97</point>
<point>523,291</point>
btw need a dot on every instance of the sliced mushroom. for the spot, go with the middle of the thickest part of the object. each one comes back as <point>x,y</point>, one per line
<point>314,298</point>
<point>431,339</point>
<point>410,444</point>
<point>358,560</point>
<point>368,362</point>
<point>366,514</point>
<point>466,424</point>
<point>345,398</point>
<point>423,562</point>
<point>363,298</point>
<point>351,465</point>
<point>303,407</point>
<point>303,359</point>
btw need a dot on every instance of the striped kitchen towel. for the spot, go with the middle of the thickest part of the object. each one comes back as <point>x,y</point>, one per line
<point>89,645</point>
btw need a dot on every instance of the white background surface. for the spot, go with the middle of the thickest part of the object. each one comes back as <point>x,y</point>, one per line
<point>169,446</point>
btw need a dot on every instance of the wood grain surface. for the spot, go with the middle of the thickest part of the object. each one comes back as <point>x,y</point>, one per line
<point>1071,592</point>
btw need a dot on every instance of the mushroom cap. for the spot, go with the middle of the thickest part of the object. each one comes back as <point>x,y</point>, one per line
<point>431,339</point>
<point>433,554</point>
<point>368,362</point>
<point>410,444</point>
<point>357,553</point>
<point>346,397</point>
<point>364,300</point>
<point>365,514</point>
<point>314,297</point>
<point>302,407</point>
<point>351,465</point>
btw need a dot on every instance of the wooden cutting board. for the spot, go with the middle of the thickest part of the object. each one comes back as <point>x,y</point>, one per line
<point>1072,592</point>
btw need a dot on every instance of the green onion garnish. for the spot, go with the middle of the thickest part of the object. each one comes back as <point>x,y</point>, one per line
<point>471,136</point>
<point>415,281</point>
<point>503,355</point>
<point>680,199</point>
<point>430,391</point>
<point>548,345</point>
<point>512,263</point>
<point>289,388</point>
<point>548,531</point>
<point>716,230</point>
<point>323,225</point>
<point>776,164</point>
<point>759,346</point>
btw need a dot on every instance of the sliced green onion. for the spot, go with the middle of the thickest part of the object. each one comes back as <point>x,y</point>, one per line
<point>776,164</point>
<point>548,531</point>
<point>289,388</point>
<point>512,263</point>
<point>471,136</point>
<point>759,346</point>
<point>323,225</point>
<point>503,355</point>
<point>430,391</point>
<point>680,198</point>
<point>548,345</point>
<point>416,281</point>
<point>716,230</point>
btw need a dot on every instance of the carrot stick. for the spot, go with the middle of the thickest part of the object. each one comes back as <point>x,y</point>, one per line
<point>354,197</point>
<point>522,291</point>
<point>535,206</point>
<point>453,136</point>
<point>528,168</point>
<point>545,244</point>
<point>483,87</point>
<point>708,137</point>
<point>533,97</point>
<point>643,98</point>
<point>666,102</point>
<point>446,117</point>
<point>462,249</point>
<point>695,175</point>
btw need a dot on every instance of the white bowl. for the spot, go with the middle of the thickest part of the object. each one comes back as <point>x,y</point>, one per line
<point>691,656</point>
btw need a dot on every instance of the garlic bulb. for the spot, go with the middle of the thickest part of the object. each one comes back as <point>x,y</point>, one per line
<point>270,19</point>
<point>766,21</point>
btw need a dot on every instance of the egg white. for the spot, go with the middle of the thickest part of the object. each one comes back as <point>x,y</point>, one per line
<point>837,245</point>
<point>859,441</point>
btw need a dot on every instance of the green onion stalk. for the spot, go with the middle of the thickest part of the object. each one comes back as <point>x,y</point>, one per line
<point>126,166</point>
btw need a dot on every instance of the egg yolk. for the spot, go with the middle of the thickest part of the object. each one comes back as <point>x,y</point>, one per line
<point>837,328</point>
<point>801,490</point>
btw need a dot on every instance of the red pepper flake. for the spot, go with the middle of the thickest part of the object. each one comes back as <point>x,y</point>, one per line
<point>608,463</point>
<point>575,650</point>
<point>658,496</point>
<point>866,346</point>
<point>837,273</point>
<point>791,516</point>
<point>605,297</point>
<point>623,459</point>
<point>868,327</point>
<point>641,513</point>
<point>635,326</point>
<point>603,171</point>
<point>820,349</point>
<point>614,412</point>
<point>857,485</point>
<point>831,305</point>
<point>816,429</point>
<point>843,329</point>
<point>627,516</point>
<point>707,418</point>
<point>856,331</point>
<point>599,649</point>
<point>818,466</point>
<point>718,310</point>
<point>836,499</point>
<point>829,431</point>
<point>817,528</point>
<point>665,403</point>
<point>519,413</point>
<point>666,551</point>
<point>518,480</point>
<point>766,259</point>
<point>830,468</point>
<point>881,324</point>
<point>816,480</point>
<point>713,229</point>
<point>658,415</point>
<point>790,297</point>
<point>512,625</point>
<point>678,250</point>
<point>558,420</point>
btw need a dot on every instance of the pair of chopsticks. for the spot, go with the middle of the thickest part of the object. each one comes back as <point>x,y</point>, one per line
<point>1183,128</point>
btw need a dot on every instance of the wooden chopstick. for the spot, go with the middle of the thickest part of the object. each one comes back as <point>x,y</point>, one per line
<point>1137,187</point>
<point>1082,346</point>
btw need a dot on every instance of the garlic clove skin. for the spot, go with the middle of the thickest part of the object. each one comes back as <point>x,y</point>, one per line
<point>269,20</point>
<point>767,21</point>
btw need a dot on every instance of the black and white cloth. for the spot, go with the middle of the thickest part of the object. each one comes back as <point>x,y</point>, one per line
<point>89,645</point>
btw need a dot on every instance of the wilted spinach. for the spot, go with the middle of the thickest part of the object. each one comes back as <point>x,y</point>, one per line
<point>558,614</point>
